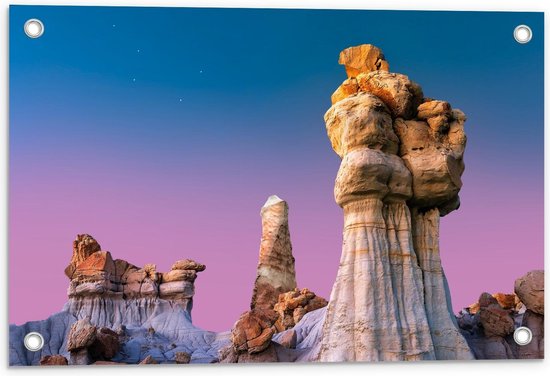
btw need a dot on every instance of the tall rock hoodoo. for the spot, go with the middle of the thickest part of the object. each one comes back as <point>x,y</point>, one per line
<point>400,171</point>
<point>276,273</point>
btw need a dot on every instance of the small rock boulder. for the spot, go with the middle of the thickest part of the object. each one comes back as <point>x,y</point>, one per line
<point>495,320</point>
<point>182,357</point>
<point>530,290</point>
<point>149,360</point>
<point>293,305</point>
<point>106,344</point>
<point>53,360</point>
<point>253,331</point>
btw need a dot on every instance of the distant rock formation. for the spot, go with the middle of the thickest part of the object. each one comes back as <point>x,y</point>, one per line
<point>489,324</point>
<point>401,166</point>
<point>120,312</point>
<point>276,272</point>
<point>94,276</point>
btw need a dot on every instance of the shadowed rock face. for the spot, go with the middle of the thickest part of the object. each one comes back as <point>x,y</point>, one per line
<point>488,325</point>
<point>276,273</point>
<point>401,166</point>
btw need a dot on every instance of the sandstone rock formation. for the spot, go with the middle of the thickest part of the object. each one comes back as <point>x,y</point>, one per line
<point>277,304</point>
<point>400,170</point>
<point>253,331</point>
<point>133,312</point>
<point>276,272</point>
<point>95,276</point>
<point>489,324</point>
<point>293,305</point>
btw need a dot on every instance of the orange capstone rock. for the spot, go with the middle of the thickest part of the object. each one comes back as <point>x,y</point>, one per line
<point>363,59</point>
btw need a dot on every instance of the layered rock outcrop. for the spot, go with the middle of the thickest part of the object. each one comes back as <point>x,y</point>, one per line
<point>95,275</point>
<point>130,312</point>
<point>400,171</point>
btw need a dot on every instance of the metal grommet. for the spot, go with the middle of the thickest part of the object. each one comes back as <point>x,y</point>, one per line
<point>523,336</point>
<point>34,28</point>
<point>523,34</point>
<point>33,341</point>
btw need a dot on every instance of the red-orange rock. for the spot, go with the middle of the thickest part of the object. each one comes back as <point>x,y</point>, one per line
<point>293,305</point>
<point>506,301</point>
<point>53,360</point>
<point>100,261</point>
<point>253,331</point>
<point>363,59</point>
<point>83,246</point>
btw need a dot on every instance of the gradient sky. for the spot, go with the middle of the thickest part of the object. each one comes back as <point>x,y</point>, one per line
<point>162,132</point>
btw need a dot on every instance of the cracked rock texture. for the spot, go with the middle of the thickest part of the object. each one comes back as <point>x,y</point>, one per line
<point>276,273</point>
<point>400,171</point>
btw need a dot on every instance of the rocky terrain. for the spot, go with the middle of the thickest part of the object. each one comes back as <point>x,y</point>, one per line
<point>488,325</point>
<point>401,166</point>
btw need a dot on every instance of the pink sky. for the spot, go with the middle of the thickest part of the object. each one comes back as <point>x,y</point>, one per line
<point>489,242</point>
